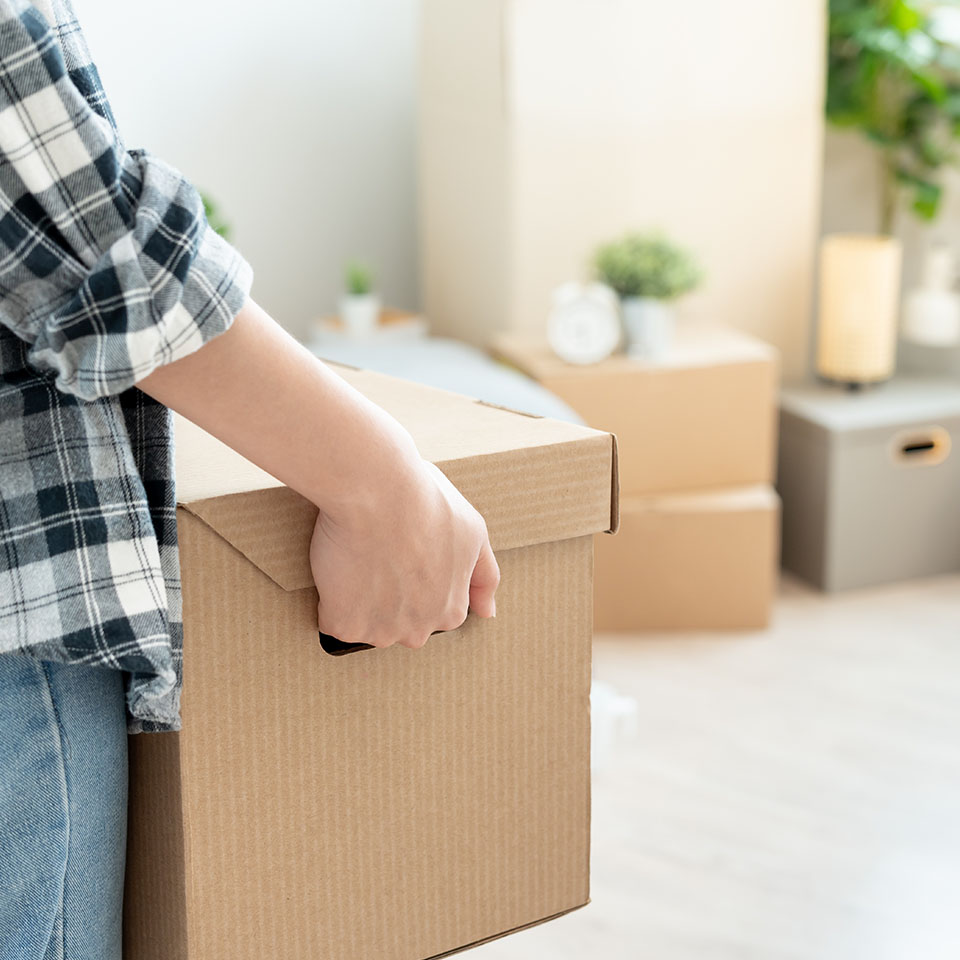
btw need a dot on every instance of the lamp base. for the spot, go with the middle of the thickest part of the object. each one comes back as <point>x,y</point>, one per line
<point>851,386</point>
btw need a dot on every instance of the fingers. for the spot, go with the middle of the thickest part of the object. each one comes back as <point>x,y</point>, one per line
<point>484,583</point>
<point>415,617</point>
<point>455,617</point>
<point>384,636</point>
<point>414,643</point>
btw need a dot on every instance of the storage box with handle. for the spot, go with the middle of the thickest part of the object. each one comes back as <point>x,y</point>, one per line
<point>870,482</point>
<point>386,804</point>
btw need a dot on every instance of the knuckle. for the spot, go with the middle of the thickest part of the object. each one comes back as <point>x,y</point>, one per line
<point>380,638</point>
<point>415,641</point>
<point>329,624</point>
<point>454,616</point>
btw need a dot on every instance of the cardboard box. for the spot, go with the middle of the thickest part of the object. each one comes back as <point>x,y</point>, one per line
<point>690,561</point>
<point>390,804</point>
<point>550,126</point>
<point>705,416</point>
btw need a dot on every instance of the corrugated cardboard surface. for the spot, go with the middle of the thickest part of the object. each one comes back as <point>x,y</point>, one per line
<point>390,804</point>
<point>690,561</point>
<point>155,901</point>
<point>704,417</point>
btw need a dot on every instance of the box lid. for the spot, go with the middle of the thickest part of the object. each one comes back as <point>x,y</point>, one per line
<point>694,345</point>
<point>533,479</point>
<point>903,400</point>
<point>756,497</point>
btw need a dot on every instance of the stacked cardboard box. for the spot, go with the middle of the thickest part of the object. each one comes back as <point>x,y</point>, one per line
<point>389,804</point>
<point>699,534</point>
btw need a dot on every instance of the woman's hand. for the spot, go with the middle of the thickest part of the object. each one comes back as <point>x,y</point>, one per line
<point>410,562</point>
<point>397,552</point>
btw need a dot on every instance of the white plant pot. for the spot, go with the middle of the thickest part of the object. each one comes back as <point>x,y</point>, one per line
<point>649,325</point>
<point>360,314</point>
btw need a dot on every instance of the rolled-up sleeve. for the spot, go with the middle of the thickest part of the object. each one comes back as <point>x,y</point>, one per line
<point>108,268</point>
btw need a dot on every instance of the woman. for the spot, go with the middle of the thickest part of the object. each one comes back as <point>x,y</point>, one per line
<point>117,304</point>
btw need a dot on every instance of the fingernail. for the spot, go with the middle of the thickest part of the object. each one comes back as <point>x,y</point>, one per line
<point>494,607</point>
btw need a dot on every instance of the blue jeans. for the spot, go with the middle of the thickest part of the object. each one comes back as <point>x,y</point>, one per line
<point>63,810</point>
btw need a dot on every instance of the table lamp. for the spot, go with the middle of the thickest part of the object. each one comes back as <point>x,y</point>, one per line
<point>859,304</point>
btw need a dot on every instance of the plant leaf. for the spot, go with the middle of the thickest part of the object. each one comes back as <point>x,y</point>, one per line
<point>926,200</point>
<point>904,17</point>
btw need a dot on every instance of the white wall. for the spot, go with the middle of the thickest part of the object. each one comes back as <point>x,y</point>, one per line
<point>298,117</point>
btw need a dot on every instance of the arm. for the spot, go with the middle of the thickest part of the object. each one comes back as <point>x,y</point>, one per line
<point>397,552</point>
<point>113,278</point>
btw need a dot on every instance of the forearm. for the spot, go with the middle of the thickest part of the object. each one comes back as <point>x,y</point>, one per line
<point>262,393</point>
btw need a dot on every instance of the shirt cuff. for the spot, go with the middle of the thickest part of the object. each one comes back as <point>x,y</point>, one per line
<point>158,293</point>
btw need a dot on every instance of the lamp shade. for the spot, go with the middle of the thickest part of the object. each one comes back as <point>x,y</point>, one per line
<point>859,304</point>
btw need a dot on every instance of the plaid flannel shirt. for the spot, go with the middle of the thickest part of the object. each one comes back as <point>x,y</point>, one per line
<point>108,269</point>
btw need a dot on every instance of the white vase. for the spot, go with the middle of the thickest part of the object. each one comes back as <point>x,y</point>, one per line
<point>931,312</point>
<point>859,303</point>
<point>649,325</point>
<point>360,314</point>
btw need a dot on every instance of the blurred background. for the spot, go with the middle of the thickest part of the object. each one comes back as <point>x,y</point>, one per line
<point>728,233</point>
<point>305,131</point>
<point>301,124</point>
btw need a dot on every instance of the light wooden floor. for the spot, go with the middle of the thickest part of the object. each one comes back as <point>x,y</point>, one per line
<point>791,795</point>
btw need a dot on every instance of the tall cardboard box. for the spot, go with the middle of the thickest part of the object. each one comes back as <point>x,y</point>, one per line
<point>389,804</point>
<point>549,126</point>
<point>703,416</point>
<point>692,561</point>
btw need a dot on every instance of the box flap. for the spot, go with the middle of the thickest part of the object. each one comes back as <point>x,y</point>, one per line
<point>534,479</point>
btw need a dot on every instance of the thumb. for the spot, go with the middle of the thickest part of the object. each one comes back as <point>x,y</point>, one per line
<point>484,583</point>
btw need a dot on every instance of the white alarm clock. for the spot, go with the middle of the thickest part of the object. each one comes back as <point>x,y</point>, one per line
<point>584,322</point>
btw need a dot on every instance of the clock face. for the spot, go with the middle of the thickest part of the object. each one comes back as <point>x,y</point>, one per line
<point>583,326</point>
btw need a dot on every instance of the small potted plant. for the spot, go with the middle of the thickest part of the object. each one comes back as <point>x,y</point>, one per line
<point>360,306</point>
<point>647,272</point>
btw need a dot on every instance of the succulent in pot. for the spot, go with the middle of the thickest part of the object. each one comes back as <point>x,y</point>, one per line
<point>360,305</point>
<point>648,272</point>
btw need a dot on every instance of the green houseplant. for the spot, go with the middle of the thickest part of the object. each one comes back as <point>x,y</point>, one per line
<point>647,271</point>
<point>359,306</point>
<point>894,75</point>
<point>214,216</point>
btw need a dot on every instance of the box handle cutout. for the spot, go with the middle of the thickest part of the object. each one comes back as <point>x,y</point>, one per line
<point>338,648</point>
<point>922,448</point>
